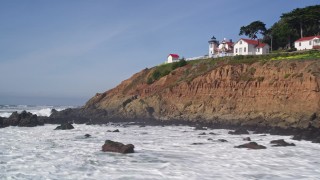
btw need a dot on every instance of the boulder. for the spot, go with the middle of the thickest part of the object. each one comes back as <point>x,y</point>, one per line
<point>25,119</point>
<point>87,135</point>
<point>251,145</point>
<point>281,142</point>
<point>238,132</point>
<point>64,126</point>
<point>112,146</point>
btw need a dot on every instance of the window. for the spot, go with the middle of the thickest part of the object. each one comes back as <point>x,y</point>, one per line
<point>240,42</point>
<point>258,49</point>
<point>245,49</point>
<point>299,43</point>
<point>309,42</point>
<point>240,50</point>
<point>236,50</point>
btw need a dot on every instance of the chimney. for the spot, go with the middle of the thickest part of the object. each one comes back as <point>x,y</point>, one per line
<point>230,40</point>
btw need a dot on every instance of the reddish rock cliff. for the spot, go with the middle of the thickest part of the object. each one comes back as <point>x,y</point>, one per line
<point>275,93</point>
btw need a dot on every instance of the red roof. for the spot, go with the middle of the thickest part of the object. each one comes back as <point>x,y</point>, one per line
<point>174,55</point>
<point>230,44</point>
<point>307,38</point>
<point>254,42</point>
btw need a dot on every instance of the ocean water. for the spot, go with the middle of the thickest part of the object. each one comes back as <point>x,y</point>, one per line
<point>160,153</point>
<point>7,110</point>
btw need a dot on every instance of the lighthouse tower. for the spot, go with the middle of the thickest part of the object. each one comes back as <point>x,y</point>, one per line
<point>213,44</point>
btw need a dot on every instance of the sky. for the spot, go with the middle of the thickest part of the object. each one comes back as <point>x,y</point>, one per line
<point>63,52</point>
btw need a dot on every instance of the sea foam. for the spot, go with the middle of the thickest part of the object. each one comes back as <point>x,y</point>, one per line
<point>161,153</point>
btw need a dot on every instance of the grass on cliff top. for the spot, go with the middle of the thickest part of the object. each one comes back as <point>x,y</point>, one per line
<point>202,66</point>
<point>296,55</point>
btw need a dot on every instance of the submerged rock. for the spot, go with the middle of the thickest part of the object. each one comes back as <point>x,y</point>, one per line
<point>251,145</point>
<point>117,130</point>
<point>247,139</point>
<point>197,144</point>
<point>200,128</point>
<point>112,146</point>
<point>202,134</point>
<point>64,126</point>
<point>222,140</point>
<point>87,135</point>
<point>281,142</point>
<point>238,132</point>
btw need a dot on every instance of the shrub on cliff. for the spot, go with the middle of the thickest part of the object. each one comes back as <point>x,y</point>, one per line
<point>165,69</point>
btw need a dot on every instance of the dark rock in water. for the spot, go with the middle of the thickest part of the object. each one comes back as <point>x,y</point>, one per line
<point>53,111</point>
<point>263,135</point>
<point>200,128</point>
<point>112,146</point>
<point>247,139</point>
<point>210,139</point>
<point>1,122</point>
<point>222,140</point>
<point>87,135</point>
<point>196,143</point>
<point>251,145</point>
<point>24,119</point>
<point>142,125</point>
<point>316,140</point>
<point>65,126</point>
<point>79,116</point>
<point>117,130</point>
<point>311,134</point>
<point>238,131</point>
<point>212,133</point>
<point>201,134</point>
<point>281,142</point>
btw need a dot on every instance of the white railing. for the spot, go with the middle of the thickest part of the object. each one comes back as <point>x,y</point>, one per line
<point>196,58</point>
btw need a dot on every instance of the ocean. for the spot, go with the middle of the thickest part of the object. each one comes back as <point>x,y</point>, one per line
<point>169,152</point>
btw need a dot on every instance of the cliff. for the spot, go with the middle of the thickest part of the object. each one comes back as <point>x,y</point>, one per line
<point>265,93</point>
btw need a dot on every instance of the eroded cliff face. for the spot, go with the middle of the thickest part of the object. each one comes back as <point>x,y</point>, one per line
<point>274,93</point>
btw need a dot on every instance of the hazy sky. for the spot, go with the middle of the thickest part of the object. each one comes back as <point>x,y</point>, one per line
<point>65,51</point>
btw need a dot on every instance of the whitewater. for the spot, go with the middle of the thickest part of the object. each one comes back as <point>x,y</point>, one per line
<point>44,110</point>
<point>170,152</point>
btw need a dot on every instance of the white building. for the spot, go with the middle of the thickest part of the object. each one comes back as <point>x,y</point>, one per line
<point>216,49</point>
<point>225,48</point>
<point>250,47</point>
<point>172,58</point>
<point>311,42</point>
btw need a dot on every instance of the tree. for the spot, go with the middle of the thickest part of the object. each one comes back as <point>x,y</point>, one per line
<point>305,21</point>
<point>253,29</point>
<point>282,35</point>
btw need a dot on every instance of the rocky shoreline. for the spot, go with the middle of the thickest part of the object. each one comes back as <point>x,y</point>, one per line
<point>81,116</point>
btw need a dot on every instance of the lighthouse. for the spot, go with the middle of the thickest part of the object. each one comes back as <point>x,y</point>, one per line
<point>213,44</point>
